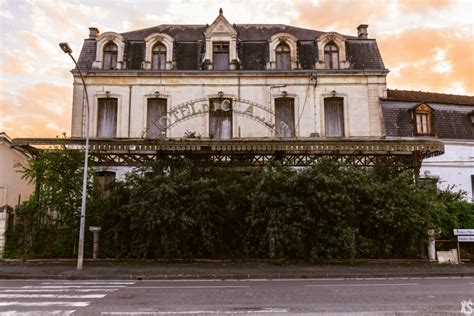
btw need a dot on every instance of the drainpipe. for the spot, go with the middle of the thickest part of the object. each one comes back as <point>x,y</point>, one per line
<point>129,108</point>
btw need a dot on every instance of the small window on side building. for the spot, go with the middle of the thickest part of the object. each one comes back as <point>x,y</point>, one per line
<point>423,123</point>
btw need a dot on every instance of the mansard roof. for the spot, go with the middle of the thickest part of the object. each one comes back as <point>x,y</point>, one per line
<point>362,53</point>
<point>451,113</point>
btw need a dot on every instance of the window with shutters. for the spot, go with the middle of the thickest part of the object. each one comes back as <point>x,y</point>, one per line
<point>283,58</point>
<point>110,56</point>
<point>331,56</point>
<point>423,120</point>
<point>220,118</point>
<point>220,57</point>
<point>334,117</point>
<point>285,117</point>
<point>158,61</point>
<point>107,118</point>
<point>156,118</point>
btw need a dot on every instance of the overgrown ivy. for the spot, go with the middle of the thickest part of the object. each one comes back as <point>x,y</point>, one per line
<point>185,211</point>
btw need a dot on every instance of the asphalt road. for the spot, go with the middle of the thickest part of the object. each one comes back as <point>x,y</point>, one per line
<point>397,296</point>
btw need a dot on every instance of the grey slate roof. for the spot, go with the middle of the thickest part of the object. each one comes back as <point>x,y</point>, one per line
<point>450,120</point>
<point>252,47</point>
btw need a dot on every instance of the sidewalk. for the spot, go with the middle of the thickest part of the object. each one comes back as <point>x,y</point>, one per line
<point>153,270</point>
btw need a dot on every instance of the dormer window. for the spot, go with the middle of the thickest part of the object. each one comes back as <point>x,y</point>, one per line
<point>158,61</point>
<point>331,51</point>
<point>220,56</point>
<point>331,56</point>
<point>283,57</point>
<point>110,56</point>
<point>423,123</point>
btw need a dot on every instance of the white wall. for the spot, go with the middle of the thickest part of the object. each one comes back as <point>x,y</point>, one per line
<point>454,167</point>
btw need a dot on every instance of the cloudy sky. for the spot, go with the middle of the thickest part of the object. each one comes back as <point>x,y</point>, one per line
<point>428,45</point>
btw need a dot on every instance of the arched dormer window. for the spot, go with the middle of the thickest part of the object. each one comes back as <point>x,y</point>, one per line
<point>423,121</point>
<point>282,46</point>
<point>331,51</point>
<point>158,59</point>
<point>110,56</point>
<point>283,57</point>
<point>106,49</point>
<point>331,56</point>
<point>158,52</point>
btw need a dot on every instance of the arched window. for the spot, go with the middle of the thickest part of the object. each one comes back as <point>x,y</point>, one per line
<point>283,59</point>
<point>331,56</point>
<point>110,56</point>
<point>158,59</point>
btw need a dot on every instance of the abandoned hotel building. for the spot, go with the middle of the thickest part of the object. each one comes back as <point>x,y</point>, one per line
<point>233,94</point>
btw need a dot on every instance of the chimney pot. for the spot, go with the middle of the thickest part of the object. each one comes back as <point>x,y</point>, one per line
<point>362,31</point>
<point>93,32</point>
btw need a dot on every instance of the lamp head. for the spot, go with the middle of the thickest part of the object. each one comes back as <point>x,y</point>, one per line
<point>65,47</point>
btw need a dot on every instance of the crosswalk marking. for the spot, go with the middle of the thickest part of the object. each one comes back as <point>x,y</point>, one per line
<point>42,304</point>
<point>54,290</point>
<point>55,294</point>
<point>51,296</point>
<point>87,283</point>
<point>38,313</point>
<point>71,286</point>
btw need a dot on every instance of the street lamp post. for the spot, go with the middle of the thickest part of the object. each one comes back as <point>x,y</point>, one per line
<point>80,254</point>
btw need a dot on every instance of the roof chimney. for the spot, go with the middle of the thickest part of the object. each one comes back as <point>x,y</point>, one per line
<point>93,32</point>
<point>362,31</point>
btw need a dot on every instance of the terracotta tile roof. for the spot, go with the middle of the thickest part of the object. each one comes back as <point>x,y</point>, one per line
<point>420,96</point>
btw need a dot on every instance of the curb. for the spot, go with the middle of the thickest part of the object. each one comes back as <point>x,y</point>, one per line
<point>234,276</point>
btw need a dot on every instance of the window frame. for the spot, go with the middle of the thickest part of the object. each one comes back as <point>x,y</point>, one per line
<point>159,49</point>
<point>283,50</point>
<point>332,51</point>
<point>221,112</point>
<point>223,48</point>
<point>423,110</point>
<point>113,53</point>
<point>341,119</point>
<point>99,104</point>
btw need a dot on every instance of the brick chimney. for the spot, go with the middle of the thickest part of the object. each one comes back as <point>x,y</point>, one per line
<point>362,31</point>
<point>93,32</point>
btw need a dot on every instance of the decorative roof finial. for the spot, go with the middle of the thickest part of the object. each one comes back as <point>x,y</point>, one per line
<point>220,11</point>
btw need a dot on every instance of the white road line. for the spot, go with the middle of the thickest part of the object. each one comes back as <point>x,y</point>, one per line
<point>42,304</point>
<point>38,313</point>
<point>221,312</point>
<point>71,286</point>
<point>55,290</point>
<point>51,296</point>
<point>365,284</point>
<point>88,283</point>
<point>189,287</point>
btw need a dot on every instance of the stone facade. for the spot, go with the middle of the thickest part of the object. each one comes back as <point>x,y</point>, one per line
<point>189,84</point>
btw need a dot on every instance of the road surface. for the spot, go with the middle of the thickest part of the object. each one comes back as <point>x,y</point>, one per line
<point>397,296</point>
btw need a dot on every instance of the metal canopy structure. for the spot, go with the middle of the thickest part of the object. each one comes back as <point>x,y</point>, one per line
<point>401,154</point>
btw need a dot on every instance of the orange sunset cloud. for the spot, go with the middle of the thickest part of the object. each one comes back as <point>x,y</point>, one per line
<point>426,44</point>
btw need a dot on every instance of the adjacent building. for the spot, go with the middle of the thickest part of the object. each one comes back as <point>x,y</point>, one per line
<point>445,117</point>
<point>13,189</point>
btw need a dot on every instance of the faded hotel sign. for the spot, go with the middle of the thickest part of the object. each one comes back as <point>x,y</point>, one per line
<point>198,107</point>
